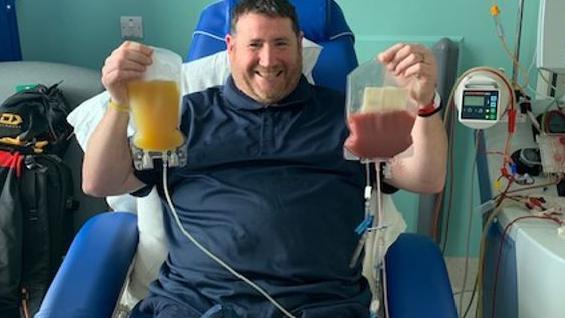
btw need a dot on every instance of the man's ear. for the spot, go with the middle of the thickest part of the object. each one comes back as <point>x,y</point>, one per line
<point>300,38</point>
<point>229,42</point>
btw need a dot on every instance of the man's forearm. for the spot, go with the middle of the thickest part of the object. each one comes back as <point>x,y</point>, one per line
<point>107,167</point>
<point>423,171</point>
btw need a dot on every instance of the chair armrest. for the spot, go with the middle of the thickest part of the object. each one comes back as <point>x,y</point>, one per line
<point>418,283</point>
<point>90,279</point>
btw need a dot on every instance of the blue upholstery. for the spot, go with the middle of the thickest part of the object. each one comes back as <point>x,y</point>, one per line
<point>328,29</point>
<point>88,282</point>
<point>418,284</point>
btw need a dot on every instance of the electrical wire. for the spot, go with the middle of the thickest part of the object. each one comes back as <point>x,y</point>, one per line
<point>470,222</point>
<point>480,273</point>
<point>449,120</point>
<point>210,254</point>
<point>473,293</point>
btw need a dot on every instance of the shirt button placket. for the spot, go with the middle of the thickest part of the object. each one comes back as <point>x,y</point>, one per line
<point>268,131</point>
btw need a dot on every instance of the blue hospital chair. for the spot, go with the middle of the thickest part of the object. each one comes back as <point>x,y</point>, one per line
<point>90,279</point>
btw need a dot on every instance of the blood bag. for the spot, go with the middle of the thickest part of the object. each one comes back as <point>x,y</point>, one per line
<point>380,113</point>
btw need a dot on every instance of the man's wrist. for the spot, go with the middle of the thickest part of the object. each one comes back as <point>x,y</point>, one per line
<point>118,107</point>
<point>433,107</point>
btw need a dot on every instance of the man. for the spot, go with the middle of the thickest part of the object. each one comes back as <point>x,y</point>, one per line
<point>266,188</point>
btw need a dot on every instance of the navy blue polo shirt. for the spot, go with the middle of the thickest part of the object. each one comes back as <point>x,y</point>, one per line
<point>267,190</point>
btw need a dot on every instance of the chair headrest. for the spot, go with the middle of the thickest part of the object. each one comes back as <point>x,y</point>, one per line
<point>320,20</point>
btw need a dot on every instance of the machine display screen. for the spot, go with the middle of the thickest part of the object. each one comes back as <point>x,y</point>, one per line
<point>480,105</point>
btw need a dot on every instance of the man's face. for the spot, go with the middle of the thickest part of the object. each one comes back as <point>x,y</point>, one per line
<point>265,56</point>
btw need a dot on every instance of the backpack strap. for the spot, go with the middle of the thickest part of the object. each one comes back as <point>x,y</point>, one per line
<point>28,189</point>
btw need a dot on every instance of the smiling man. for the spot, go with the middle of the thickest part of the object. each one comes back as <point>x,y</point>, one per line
<point>266,189</point>
<point>265,57</point>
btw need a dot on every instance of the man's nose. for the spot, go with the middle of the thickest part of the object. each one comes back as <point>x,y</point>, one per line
<point>267,56</point>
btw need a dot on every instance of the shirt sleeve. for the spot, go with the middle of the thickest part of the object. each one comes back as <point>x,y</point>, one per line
<point>149,177</point>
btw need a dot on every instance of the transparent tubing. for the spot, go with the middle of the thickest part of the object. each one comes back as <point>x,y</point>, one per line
<point>379,243</point>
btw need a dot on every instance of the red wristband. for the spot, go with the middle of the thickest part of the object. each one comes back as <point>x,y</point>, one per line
<point>431,108</point>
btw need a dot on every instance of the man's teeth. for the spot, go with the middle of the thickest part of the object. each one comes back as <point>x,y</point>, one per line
<point>269,74</point>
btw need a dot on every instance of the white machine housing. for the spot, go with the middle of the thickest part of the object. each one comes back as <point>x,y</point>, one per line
<point>551,36</point>
<point>481,97</point>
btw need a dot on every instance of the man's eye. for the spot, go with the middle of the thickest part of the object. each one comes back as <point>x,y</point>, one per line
<point>254,45</point>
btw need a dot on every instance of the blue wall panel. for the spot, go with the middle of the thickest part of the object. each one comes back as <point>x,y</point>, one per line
<point>9,39</point>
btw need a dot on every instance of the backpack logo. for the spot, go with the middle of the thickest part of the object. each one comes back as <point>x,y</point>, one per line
<point>10,119</point>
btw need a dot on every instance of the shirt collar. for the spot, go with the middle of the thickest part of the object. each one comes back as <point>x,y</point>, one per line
<point>240,100</point>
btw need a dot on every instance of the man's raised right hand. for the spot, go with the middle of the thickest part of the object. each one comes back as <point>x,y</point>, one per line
<point>126,63</point>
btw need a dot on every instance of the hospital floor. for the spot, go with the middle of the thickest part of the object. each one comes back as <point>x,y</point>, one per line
<point>456,270</point>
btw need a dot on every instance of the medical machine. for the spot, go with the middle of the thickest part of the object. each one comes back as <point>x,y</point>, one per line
<point>482,96</point>
<point>551,38</point>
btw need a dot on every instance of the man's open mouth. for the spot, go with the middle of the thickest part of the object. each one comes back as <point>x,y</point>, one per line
<point>268,75</point>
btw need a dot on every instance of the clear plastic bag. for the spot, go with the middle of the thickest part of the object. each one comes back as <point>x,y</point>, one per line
<point>380,113</point>
<point>155,103</point>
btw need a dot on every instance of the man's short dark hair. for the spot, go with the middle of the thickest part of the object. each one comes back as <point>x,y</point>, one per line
<point>271,8</point>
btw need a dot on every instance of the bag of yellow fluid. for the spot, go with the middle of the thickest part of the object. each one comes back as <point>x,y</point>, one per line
<point>155,104</point>
<point>380,113</point>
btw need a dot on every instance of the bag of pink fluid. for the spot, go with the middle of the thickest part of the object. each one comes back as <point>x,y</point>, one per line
<point>380,114</point>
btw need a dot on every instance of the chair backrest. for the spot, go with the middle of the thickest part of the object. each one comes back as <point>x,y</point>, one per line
<point>322,21</point>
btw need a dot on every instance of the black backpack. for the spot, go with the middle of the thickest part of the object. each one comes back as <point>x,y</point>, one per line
<point>36,197</point>
<point>35,119</point>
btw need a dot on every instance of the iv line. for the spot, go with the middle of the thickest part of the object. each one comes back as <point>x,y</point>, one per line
<point>375,245</point>
<point>380,240</point>
<point>211,255</point>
